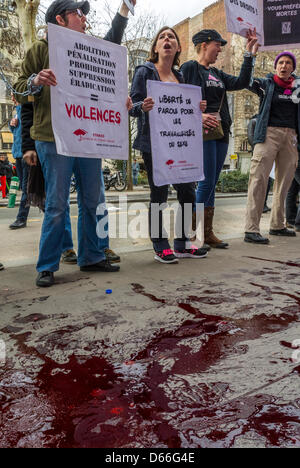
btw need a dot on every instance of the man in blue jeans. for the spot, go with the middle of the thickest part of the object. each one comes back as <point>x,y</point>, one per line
<point>57,169</point>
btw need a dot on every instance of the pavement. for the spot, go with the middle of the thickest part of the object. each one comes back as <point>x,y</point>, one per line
<point>205,353</point>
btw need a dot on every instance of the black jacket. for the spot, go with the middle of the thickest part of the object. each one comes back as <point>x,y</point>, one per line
<point>27,122</point>
<point>138,93</point>
<point>192,75</point>
<point>5,168</point>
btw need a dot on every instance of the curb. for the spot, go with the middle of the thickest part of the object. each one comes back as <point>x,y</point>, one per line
<point>114,199</point>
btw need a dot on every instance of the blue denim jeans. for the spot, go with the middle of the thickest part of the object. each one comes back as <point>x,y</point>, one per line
<point>103,240</point>
<point>57,170</point>
<point>135,177</point>
<point>23,171</point>
<point>214,155</point>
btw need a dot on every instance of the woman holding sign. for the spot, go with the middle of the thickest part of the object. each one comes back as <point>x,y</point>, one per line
<point>216,121</point>
<point>164,56</point>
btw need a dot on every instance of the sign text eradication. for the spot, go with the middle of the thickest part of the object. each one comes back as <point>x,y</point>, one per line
<point>176,133</point>
<point>88,105</point>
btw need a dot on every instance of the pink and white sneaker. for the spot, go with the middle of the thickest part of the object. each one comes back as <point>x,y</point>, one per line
<point>193,252</point>
<point>166,256</point>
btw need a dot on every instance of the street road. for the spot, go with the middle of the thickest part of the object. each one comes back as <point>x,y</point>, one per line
<point>20,247</point>
<point>205,353</point>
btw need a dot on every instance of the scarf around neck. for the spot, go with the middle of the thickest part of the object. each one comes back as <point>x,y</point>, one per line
<point>286,85</point>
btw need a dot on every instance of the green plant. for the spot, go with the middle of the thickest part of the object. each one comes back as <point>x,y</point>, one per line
<point>233,182</point>
<point>142,178</point>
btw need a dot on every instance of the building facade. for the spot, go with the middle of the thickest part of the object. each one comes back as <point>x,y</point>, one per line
<point>10,52</point>
<point>243,104</point>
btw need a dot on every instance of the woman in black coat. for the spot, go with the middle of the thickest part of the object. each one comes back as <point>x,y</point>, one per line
<point>161,66</point>
<point>214,84</point>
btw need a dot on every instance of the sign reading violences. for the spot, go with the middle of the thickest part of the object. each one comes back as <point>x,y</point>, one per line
<point>88,105</point>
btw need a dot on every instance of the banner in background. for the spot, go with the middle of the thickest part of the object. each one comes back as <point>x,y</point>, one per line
<point>176,133</point>
<point>281,24</point>
<point>88,105</point>
<point>277,22</point>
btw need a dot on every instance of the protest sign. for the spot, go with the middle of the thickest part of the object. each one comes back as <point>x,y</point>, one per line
<point>277,22</point>
<point>176,133</point>
<point>281,24</point>
<point>243,15</point>
<point>129,5</point>
<point>88,105</point>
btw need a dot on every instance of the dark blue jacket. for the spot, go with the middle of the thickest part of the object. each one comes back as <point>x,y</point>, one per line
<point>16,131</point>
<point>264,88</point>
<point>138,93</point>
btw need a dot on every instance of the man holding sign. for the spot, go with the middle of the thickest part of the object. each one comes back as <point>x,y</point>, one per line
<point>57,169</point>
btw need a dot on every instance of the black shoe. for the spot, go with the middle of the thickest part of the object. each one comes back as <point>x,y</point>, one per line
<point>45,279</point>
<point>255,238</point>
<point>266,209</point>
<point>282,232</point>
<point>18,224</point>
<point>104,266</point>
<point>111,256</point>
<point>193,252</point>
<point>1,267</point>
<point>165,256</point>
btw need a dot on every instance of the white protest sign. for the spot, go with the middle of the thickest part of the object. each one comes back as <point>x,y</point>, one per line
<point>129,5</point>
<point>242,15</point>
<point>88,105</point>
<point>176,133</point>
<point>281,24</point>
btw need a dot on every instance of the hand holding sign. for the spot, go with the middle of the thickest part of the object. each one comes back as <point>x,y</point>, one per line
<point>148,104</point>
<point>130,4</point>
<point>45,77</point>
<point>252,41</point>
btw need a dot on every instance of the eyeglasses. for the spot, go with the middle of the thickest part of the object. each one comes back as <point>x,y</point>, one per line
<point>75,12</point>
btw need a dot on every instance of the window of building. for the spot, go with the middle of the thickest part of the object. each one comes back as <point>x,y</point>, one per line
<point>3,22</point>
<point>244,146</point>
<point>136,58</point>
<point>6,112</point>
<point>264,63</point>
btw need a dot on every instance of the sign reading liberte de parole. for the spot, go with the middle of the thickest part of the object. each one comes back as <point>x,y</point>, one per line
<point>277,21</point>
<point>176,133</point>
<point>88,105</point>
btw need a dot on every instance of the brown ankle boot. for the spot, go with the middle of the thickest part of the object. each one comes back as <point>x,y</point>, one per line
<point>209,236</point>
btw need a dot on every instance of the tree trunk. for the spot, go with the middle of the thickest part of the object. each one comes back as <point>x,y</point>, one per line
<point>27,12</point>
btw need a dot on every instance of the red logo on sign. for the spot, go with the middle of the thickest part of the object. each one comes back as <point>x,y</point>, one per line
<point>170,162</point>
<point>80,132</point>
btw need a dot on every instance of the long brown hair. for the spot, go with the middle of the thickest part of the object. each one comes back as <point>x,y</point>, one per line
<point>154,55</point>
